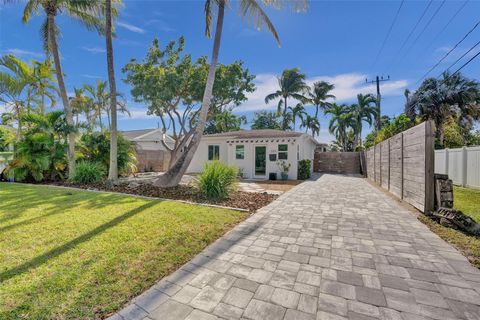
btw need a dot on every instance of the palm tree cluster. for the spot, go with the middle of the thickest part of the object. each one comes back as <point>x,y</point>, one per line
<point>25,85</point>
<point>292,86</point>
<point>346,121</point>
<point>452,99</point>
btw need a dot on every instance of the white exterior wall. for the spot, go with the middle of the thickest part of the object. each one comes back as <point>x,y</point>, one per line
<point>461,164</point>
<point>306,149</point>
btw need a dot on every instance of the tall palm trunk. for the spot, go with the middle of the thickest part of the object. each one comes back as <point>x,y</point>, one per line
<point>284,127</point>
<point>174,174</point>
<point>63,92</point>
<point>316,111</point>
<point>113,167</point>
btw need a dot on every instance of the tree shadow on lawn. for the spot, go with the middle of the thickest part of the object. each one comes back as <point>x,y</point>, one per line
<point>31,197</point>
<point>44,258</point>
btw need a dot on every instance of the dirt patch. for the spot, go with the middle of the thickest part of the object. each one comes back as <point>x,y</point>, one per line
<point>238,199</point>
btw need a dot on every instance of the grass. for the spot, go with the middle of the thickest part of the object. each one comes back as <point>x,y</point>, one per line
<point>466,200</point>
<point>80,255</point>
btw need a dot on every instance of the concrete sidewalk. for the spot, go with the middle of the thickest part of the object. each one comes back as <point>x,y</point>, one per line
<point>334,248</point>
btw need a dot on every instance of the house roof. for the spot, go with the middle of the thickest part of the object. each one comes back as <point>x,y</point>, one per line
<point>261,133</point>
<point>132,134</point>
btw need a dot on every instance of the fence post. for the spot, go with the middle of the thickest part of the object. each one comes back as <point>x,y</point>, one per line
<point>380,163</point>
<point>389,165</point>
<point>429,204</point>
<point>464,166</point>
<point>401,168</point>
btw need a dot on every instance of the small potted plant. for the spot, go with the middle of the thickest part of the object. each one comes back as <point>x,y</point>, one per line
<point>284,168</point>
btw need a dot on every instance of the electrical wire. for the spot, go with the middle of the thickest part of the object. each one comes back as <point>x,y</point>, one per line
<point>463,55</point>
<point>388,34</point>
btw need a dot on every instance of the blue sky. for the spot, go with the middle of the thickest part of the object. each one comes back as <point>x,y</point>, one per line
<point>335,40</point>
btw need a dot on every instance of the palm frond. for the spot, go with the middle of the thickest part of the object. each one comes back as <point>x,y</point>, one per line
<point>253,12</point>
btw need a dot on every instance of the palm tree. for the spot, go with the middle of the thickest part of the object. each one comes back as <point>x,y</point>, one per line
<point>364,110</point>
<point>42,84</point>
<point>292,85</point>
<point>320,94</point>
<point>249,9</point>
<point>81,104</point>
<point>297,111</point>
<point>342,119</point>
<point>87,12</point>
<point>441,99</point>
<point>100,97</point>
<point>12,87</point>
<point>311,123</point>
<point>113,166</point>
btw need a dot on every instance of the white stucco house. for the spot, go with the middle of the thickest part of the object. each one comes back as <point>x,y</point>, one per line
<point>255,152</point>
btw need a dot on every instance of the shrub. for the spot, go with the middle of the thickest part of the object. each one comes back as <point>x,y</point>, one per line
<point>95,147</point>
<point>217,180</point>
<point>89,172</point>
<point>304,169</point>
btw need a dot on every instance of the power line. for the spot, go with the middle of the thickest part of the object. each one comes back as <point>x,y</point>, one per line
<point>446,26</point>
<point>414,28</point>
<point>425,28</point>
<point>388,34</point>
<point>450,51</point>
<point>463,55</point>
<point>466,63</point>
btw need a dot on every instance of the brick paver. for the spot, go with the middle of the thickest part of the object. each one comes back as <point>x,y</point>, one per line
<point>334,248</point>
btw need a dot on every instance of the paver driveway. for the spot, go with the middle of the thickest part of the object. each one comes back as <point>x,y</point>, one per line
<point>335,248</point>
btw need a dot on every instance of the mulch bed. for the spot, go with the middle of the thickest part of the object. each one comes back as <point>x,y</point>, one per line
<point>238,199</point>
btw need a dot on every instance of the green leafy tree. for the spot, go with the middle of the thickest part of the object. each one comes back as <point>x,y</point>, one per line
<point>171,84</point>
<point>7,138</point>
<point>40,153</point>
<point>297,112</point>
<point>224,121</point>
<point>89,13</point>
<point>94,147</point>
<point>453,95</point>
<point>291,85</point>
<point>266,120</point>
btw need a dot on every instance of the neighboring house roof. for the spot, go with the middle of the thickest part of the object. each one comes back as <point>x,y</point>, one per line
<point>132,134</point>
<point>260,133</point>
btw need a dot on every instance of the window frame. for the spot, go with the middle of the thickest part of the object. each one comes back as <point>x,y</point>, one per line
<point>242,152</point>
<point>214,146</point>
<point>282,152</point>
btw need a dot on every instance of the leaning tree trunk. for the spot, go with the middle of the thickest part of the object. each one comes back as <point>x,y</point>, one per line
<point>113,166</point>
<point>63,92</point>
<point>174,174</point>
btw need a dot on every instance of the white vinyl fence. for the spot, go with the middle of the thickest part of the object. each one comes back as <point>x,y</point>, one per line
<point>462,165</point>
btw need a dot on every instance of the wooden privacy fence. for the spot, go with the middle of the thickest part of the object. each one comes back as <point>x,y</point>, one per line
<point>404,165</point>
<point>337,162</point>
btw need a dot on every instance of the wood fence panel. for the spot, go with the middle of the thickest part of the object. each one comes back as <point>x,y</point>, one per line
<point>337,162</point>
<point>404,165</point>
<point>384,164</point>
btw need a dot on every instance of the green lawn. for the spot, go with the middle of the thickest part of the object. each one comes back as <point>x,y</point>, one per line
<point>467,200</point>
<point>81,255</point>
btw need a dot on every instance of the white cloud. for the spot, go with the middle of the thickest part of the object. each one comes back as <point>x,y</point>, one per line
<point>130,27</point>
<point>136,113</point>
<point>91,76</point>
<point>347,86</point>
<point>24,53</point>
<point>94,49</point>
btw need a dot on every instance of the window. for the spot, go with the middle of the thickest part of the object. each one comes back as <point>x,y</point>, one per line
<point>213,152</point>
<point>240,152</point>
<point>282,151</point>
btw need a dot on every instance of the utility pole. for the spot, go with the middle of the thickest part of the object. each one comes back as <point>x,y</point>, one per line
<point>379,97</point>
